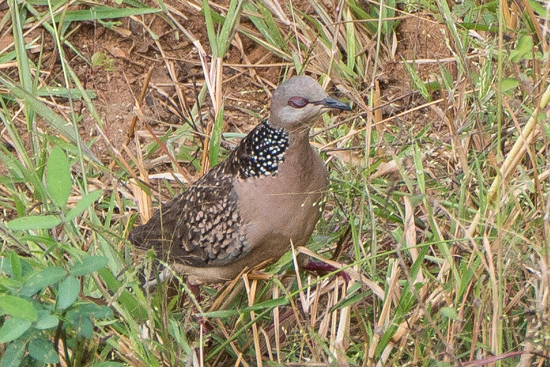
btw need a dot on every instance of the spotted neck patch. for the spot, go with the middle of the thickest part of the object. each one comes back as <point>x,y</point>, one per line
<point>260,152</point>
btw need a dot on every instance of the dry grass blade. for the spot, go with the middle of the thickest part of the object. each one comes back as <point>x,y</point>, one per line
<point>251,292</point>
<point>340,344</point>
<point>526,136</point>
<point>354,274</point>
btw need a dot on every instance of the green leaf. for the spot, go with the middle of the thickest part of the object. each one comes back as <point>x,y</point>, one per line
<point>266,25</point>
<point>19,41</point>
<point>83,204</point>
<point>42,279</point>
<point>63,92</point>
<point>417,82</point>
<point>524,47</point>
<point>68,292</point>
<point>15,263</point>
<point>351,297</point>
<point>103,12</point>
<point>34,222</point>
<point>46,320</point>
<point>220,314</point>
<point>58,177</point>
<point>19,206</point>
<point>86,328</point>
<point>508,84</point>
<point>209,22</point>
<point>96,311</point>
<point>89,265</point>
<point>281,301</point>
<point>348,301</point>
<point>228,28</point>
<point>449,313</point>
<point>351,46</point>
<point>216,138</point>
<point>10,284</point>
<point>540,9</point>
<point>13,354</point>
<point>42,350</point>
<point>18,307</point>
<point>6,266</point>
<point>272,303</point>
<point>89,310</point>
<point>81,317</point>
<point>12,329</point>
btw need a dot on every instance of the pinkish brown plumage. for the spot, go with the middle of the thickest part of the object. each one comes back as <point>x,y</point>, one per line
<point>246,210</point>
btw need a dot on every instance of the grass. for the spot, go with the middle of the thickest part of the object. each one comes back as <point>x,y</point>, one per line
<point>438,199</point>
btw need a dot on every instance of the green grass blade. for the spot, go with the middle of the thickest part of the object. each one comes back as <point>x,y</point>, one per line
<point>216,138</point>
<point>209,22</point>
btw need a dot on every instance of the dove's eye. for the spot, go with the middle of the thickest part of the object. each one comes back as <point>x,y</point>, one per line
<point>297,102</point>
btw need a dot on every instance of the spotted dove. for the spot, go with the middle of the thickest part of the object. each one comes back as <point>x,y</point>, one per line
<point>247,210</point>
